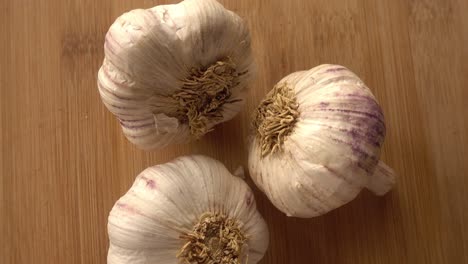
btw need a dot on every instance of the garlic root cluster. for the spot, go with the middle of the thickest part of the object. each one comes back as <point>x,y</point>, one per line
<point>173,72</point>
<point>316,142</point>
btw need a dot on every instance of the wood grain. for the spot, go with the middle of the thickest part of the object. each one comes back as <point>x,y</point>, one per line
<point>64,160</point>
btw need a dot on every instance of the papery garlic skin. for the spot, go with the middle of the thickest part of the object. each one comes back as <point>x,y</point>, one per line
<point>166,201</point>
<point>332,150</point>
<point>152,54</point>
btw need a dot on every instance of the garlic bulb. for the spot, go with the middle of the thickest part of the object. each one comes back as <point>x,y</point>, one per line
<point>190,210</point>
<point>317,142</point>
<point>172,72</point>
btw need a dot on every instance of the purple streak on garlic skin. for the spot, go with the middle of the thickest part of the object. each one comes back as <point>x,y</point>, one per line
<point>353,133</point>
<point>365,130</point>
<point>373,131</point>
<point>370,127</point>
<point>149,182</point>
<point>324,104</point>
<point>338,175</point>
<point>127,208</point>
<point>347,111</point>
<point>359,135</point>
<point>366,162</point>
<point>360,154</point>
<point>361,104</point>
<point>366,116</point>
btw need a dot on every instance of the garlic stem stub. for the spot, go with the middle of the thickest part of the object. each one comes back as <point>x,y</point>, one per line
<point>316,142</point>
<point>190,210</point>
<point>173,72</point>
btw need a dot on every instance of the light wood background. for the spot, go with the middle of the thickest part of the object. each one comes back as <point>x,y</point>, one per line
<point>64,160</point>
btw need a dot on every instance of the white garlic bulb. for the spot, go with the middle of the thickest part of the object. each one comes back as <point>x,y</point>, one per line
<point>173,72</point>
<point>317,142</point>
<point>190,210</point>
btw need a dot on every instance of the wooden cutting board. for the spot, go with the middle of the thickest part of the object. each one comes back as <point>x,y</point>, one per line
<point>64,160</point>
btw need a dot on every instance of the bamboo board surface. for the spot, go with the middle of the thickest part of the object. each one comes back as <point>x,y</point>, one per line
<point>64,160</point>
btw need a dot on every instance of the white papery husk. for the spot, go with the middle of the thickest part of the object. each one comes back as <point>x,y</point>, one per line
<point>166,201</point>
<point>332,150</point>
<point>150,53</point>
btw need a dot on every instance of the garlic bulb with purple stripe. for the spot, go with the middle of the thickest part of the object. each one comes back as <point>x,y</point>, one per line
<point>173,72</point>
<point>316,143</point>
<point>190,210</point>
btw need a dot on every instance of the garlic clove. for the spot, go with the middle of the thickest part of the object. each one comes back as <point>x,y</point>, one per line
<point>316,143</point>
<point>191,61</point>
<point>167,204</point>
